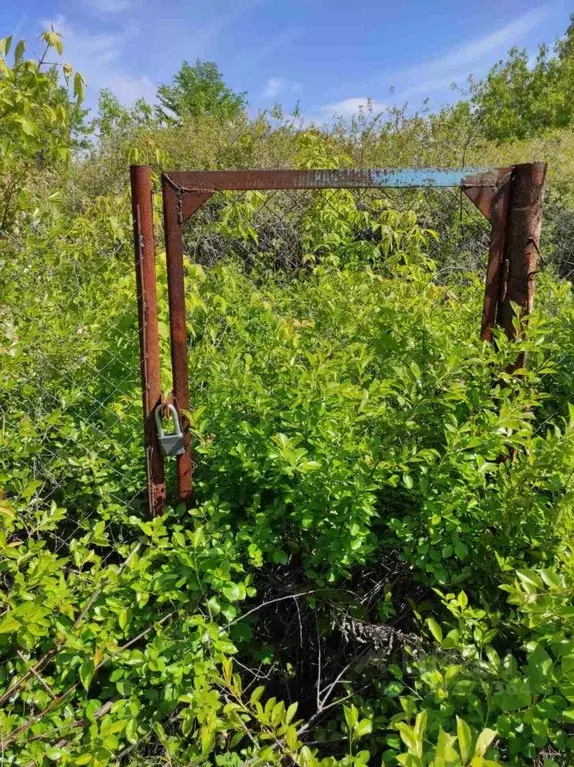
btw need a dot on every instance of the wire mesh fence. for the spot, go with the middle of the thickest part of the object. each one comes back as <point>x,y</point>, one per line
<point>289,229</point>
<point>71,388</point>
<point>71,398</point>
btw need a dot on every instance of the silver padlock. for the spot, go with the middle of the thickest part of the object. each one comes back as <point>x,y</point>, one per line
<point>169,444</point>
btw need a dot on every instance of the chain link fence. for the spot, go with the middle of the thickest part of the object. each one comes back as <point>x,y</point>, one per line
<point>70,391</point>
<point>287,230</point>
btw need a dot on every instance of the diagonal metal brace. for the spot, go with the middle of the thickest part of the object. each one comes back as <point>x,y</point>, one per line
<point>482,189</point>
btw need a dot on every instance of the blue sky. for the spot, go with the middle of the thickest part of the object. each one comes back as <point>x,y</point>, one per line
<point>327,55</point>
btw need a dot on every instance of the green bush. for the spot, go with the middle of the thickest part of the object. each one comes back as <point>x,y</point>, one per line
<point>342,419</point>
<point>377,566</point>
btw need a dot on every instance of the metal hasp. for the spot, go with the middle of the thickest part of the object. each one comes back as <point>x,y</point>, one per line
<point>142,212</point>
<point>510,198</point>
<point>169,444</point>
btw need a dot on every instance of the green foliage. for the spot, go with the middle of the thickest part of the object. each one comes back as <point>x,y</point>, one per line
<point>517,100</point>
<point>36,119</point>
<point>377,567</point>
<point>199,90</point>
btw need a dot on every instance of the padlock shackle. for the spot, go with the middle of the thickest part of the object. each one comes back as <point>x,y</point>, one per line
<point>174,416</point>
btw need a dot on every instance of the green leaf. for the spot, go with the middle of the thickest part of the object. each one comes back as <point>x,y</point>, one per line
<point>124,617</point>
<point>530,580</point>
<point>54,40</point>
<point>79,87</point>
<point>421,724</point>
<point>256,694</point>
<point>351,715</point>
<point>5,44</point>
<point>234,592</point>
<point>445,749</point>
<point>277,713</point>
<point>91,708</point>
<point>28,127</point>
<point>19,52</point>
<point>460,550</point>
<point>291,711</point>
<point>464,740</point>
<point>124,687</point>
<point>362,728</point>
<point>111,741</point>
<point>409,738</point>
<point>483,741</point>
<point>394,689</point>
<point>409,760</point>
<point>435,629</point>
<point>9,624</point>
<point>214,606</point>
<point>551,579</point>
<point>291,737</point>
<point>408,481</point>
<point>86,673</point>
<point>132,730</point>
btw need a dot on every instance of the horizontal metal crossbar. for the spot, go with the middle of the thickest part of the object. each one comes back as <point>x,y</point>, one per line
<point>240,180</point>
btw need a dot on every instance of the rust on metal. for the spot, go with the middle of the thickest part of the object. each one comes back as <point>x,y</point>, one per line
<point>241,180</point>
<point>522,243</point>
<point>174,216</point>
<point>188,200</point>
<point>483,198</point>
<point>483,190</point>
<point>498,213</point>
<point>190,203</point>
<point>509,197</point>
<point>516,214</point>
<point>142,213</point>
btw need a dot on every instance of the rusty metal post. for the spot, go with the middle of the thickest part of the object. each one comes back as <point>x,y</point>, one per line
<point>522,241</point>
<point>498,215</point>
<point>142,212</point>
<point>173,223</point>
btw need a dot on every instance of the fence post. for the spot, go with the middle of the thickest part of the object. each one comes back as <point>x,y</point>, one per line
<point>521,247</point>
<point>173,217</point>
<point>498,214</point>
<point>142,212</point>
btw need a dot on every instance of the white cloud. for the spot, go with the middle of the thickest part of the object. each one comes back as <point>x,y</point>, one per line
<point>474,56</point>
<point>349,107</point>
<point>424,87</point>
<point>97,55</point>
<point>109,6</point>
<point>276,85</point>
<point>464,56</point>
<point>250,57</point>
<point>346,108</point>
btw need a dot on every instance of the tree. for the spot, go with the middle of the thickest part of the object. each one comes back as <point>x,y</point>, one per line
<point>115,120</point>
<point>199,90</point>
<point>519,101</point>
<point>40,120</point>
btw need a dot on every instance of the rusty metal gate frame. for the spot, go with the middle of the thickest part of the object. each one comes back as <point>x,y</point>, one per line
<point>511,198</point>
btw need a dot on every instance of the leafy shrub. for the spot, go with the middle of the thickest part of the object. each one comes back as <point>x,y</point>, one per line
<point>378,563</point>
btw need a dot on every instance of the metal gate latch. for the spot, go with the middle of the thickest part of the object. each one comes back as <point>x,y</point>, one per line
<point>169,444</point>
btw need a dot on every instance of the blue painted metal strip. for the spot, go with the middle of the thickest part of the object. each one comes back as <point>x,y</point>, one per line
<point>422,177</point>
<point>345,178</point>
